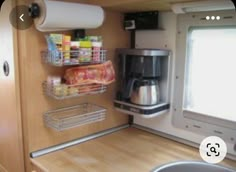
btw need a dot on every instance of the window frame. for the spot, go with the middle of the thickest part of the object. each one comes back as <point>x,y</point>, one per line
<point>188,119</point>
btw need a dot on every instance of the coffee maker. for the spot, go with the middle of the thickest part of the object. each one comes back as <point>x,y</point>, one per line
<point>140,71</point>
<point>139,76</point>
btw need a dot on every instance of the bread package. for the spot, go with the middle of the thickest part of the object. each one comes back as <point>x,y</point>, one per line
<point>99,74</point>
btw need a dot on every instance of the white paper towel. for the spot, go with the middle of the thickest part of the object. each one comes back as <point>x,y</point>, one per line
<point>58,16</point>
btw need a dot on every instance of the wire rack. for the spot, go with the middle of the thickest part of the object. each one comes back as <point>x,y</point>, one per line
<point>78,57</point>
<point>64,91</point>
<point>74,116</point>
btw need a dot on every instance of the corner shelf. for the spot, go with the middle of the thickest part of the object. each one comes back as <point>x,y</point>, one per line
<point>74,116</point>
<point>142,111</point>
<point>57,58</point>
<point>64,91</point>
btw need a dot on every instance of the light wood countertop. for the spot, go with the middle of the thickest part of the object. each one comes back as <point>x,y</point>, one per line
<point>128,150</point>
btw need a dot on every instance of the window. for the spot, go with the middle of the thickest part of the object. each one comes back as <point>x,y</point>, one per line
<point>210,77</point>
<point>204,100</point>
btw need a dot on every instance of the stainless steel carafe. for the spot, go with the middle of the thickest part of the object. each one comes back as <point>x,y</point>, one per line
<point>145,92</point>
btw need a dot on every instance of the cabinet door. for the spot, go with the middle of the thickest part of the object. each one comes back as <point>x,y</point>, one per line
<point>11,144</point>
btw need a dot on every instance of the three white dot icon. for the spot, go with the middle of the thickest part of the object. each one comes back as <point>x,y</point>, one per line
<point>213,17</point>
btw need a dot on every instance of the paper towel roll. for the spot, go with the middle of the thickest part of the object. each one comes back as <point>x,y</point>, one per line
<point>58,16</point>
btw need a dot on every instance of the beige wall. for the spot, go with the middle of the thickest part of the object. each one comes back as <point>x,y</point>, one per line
<point>164,39</point>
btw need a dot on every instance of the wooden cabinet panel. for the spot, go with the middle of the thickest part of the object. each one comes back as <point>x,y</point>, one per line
<point>33,73</point>
<point>11,142</point>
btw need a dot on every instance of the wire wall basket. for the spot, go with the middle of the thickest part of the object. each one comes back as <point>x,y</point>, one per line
<point>63,91</point>
<point>74,57</point>
<point>74,116</point>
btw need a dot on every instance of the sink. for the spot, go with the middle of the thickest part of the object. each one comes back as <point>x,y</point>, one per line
<point>191,166</point>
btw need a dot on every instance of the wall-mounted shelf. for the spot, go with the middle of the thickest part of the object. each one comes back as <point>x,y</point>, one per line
<point>79,57</point>
<point>74,116</point>
<point>142,111</point>
<point>63,91</point>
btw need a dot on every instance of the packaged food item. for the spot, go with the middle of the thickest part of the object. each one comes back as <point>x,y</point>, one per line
<point>54,83</point>
<point>85,53</point>
<point>57,39</point>
<point>74,47</point>
<point>96,47</point>
<point>66,48</point>
<point>53,80</point>
<point>60,90</point>
<point>72,91</point>
<point>99,74</point>
<point>94,38</point>
<point>64,89</point>
<point>57,90</point>
<point>52,48</point>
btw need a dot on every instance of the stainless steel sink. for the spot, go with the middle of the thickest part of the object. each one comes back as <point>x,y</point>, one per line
<point>191,167</point>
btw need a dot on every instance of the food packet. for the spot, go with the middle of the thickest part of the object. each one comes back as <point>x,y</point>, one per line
<point>99,74</point>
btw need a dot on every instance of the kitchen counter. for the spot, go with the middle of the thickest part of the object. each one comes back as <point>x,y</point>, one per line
<point>128,150</point>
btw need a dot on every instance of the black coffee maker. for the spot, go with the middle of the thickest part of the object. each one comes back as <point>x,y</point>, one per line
<point>140,71</point>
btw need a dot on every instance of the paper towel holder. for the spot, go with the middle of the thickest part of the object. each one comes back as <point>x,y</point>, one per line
<point>34,10</point>
<point>45,14</point>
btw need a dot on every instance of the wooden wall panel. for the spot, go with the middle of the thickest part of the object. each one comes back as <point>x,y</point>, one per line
<point>33,72</point>
<point>11,141</point>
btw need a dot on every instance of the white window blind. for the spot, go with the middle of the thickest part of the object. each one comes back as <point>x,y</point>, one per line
<point>210,79</point>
